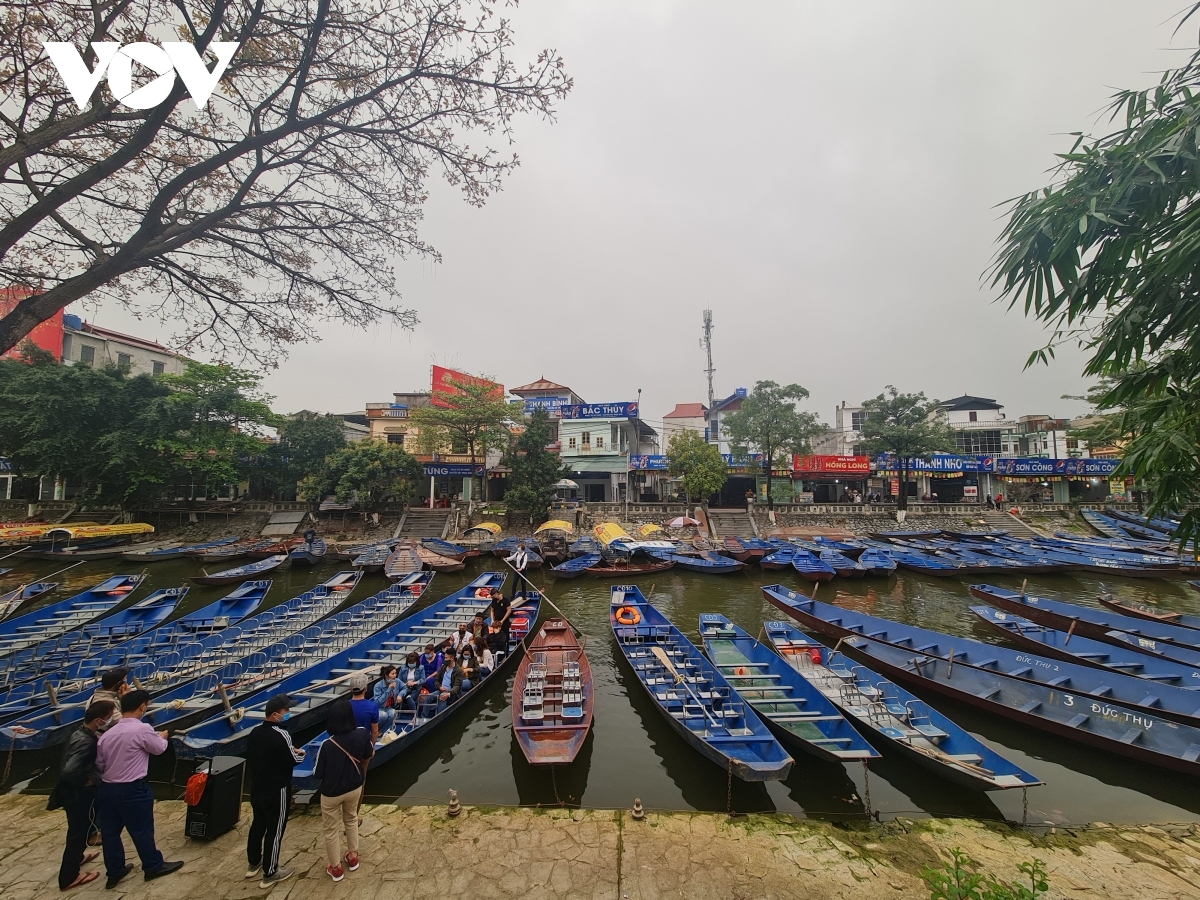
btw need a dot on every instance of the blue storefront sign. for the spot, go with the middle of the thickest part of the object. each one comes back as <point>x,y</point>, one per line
<point>600,411</point>
<point>6,464</point>
<point>742,462</point>
<point>1035,466</point>
<point>939,462</point>
<point>442,470</point>
<point>552,405</point>
<point>647,463</point>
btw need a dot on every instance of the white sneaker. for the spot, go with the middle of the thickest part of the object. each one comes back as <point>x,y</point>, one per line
<point>254,871</point>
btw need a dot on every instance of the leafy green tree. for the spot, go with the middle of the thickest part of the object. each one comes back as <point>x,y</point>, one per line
<point>907,425</point>
<point>697,463</point>
<point>305,440</point>
<point>770,424</point>
<point>367,473</point>
<point>1106,255</point>
<point>534,468</point>
<point>473,417</point>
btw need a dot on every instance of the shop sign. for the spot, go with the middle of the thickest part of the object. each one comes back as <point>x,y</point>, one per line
<point>552,405</point>
<point>599,411</point>
<point>444,383</point>
<point>6,464</point>
<point>656,462</point>
<point>804,497</point>
<point>741,462</point>
<point>970,492</point>
<point>444,470</point>
<point>1045,467</point>
<point>832,465</point>
<point>938,462</point>
<point>1117,489</point>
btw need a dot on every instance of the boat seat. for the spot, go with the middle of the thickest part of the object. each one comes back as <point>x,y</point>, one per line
<point>894,733</point>
<point>1131,736</point>
<point>929,730</point>
<point>1148,700</point>
<point>801,718</point>
<point>1078,720</point>
<point>758,676</point>
<point>831,740</point>
<point>1029,707</point>
<point>972,758</point>
<point>1192,753</point>
<point>741,738</point>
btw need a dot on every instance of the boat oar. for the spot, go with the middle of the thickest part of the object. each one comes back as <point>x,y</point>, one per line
<point>541,591</point>
<point>14,553</point>
<point>662,657</point>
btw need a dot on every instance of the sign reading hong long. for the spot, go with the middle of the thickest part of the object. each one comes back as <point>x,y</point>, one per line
<point>832,465</point>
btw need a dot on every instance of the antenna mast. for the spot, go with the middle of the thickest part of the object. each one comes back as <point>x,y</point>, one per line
<point>706,343</point>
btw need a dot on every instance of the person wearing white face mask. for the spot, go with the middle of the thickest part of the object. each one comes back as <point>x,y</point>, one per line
<point>270,758</point>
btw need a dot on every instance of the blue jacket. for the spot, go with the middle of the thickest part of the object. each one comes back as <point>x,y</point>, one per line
<point>384,692</point>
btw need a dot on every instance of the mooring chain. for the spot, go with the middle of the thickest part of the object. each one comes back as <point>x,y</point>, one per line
<point>867,787</point>
<point>729,790</point>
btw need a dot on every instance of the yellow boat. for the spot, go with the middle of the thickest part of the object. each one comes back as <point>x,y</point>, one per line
<point>27,532</point>
<point>490,527</point>
<point>648,529</point>
<point>555,525</point>
<point>607,532</point>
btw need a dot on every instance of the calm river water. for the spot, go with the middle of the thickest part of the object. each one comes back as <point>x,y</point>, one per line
<point>633,752</point>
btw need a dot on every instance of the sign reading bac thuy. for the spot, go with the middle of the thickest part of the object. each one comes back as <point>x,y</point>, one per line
<point>600,411</point>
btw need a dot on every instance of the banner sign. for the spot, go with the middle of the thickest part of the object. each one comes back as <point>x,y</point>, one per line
<point>741,462</point>
<point>938,462</point>
<point>1038,466</point>
<point>442,470</point>
<point>552,405</point>
<point>47,335</point>
<point>832,465</point>
<point>6,464</point>
<point>645,463</point>
<point>442,385</point>
<point>599,411</point>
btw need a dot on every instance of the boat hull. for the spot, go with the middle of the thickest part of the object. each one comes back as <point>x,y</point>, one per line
<point>557,743</point>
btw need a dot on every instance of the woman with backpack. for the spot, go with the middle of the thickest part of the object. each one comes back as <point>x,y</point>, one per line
<point>342,769</point>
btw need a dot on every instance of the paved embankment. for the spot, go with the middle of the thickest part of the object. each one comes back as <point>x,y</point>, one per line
<point>420,853</point>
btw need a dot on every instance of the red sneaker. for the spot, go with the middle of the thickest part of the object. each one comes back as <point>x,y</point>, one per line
<point>352,861</point>
<point>335,872</point>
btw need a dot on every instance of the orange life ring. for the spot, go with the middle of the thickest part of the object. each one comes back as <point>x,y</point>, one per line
<point>483,593</point>
<point>627,615</point>
<point>415,590</point>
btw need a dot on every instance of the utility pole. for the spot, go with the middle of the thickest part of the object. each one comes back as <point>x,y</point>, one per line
<point>706,343</point>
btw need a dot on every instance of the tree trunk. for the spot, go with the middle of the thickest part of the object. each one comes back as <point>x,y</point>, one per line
<point>770,501</point>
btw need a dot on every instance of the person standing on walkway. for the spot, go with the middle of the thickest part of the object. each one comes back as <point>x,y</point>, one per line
<point>270,757</point>
<point>75,793</point>
<point>124,800</point>
<point>341,770</point>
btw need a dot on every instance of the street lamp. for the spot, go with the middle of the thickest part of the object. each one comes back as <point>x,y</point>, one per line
<point>635,444</point>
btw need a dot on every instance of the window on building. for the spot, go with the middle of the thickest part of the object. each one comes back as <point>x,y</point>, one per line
<point>981,442</point>
<point>858,450</point>
<point>973,416</point>
<point>124,360</point>
<point>1072,443</point>
<point>87,355</point>
<point>395,439</point>
<point>856,421</point>
<point>599,442</point>
<point>570,443</point>
<point>586,438</point>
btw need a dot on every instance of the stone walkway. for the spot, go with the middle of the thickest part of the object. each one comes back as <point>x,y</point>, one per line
<point>418,852</point>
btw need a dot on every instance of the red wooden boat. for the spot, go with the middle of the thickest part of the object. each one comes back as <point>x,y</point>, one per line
<point>437,562</point>
<point>621,569</point>
<point>266,551</point>
<point>402,561</point>
<point>735,548</point>
<point>1141,611</point>
<point>552,697</point>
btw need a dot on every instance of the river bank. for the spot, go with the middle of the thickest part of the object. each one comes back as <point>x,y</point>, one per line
<point>419,852</point>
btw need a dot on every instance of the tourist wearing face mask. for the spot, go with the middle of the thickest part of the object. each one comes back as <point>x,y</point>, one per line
<point>410,679</point>
<point>470,668</point>
<point>270,757</point>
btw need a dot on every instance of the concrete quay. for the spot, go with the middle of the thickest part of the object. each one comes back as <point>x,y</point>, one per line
<point>418,853</point>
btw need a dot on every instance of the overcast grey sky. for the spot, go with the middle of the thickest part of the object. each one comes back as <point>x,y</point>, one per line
<point>823,175</point>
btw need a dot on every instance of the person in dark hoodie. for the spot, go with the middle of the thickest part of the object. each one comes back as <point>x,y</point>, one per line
<point>270,757</point>
<point>341,769</point>
<point>75,793</point>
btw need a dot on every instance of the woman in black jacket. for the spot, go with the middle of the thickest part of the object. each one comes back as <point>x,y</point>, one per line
<point>75,792</point>
<point>342,768</point>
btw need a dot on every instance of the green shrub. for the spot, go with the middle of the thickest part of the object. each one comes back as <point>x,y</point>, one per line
<point>959,881</point>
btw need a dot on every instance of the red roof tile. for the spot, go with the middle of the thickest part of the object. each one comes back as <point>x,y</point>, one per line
<point>687,411</point>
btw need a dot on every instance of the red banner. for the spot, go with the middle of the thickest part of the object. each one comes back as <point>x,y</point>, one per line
<point>832,465</point>
<point>47,335</point>
<point>443,385</point>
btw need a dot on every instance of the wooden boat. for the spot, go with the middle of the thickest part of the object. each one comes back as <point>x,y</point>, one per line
<point>1141,662</point>
<point>274,549</point>
<point>70,554</point>
<point>233,551</point>
<point>437,562</point>
<point>323,680</point>
<point>20,631</point>
<point>575,566</point>
<point>240,573</point>
<point>810,568</point>
<point>189,685</point>
<point>552,696</point>
<point>702,544</point>
<point>1085,621</point>
<point>402,561</point>
<point>895,719</point>
<point>412,725</point>
<point>876,563</point>
<point>161,554</point>
<point>446,548</point>
<point>372,559</point>
<point>697,701</point>
<point>50,654</point>
<point>918,562</point>
<point>1105,687</point>
<point>306,554</point>
<point>1142,611</point>
<point>584,546</point>
<point>508,546</point>
<point>21,597</point>
<point>793,708</point>
<point>842,565</point>
<point>1195,584</point>
<point>626,569</point>
<point>553,546</point>
<point>735,547</point>
<point>781,558</point>
<point>708,563</point>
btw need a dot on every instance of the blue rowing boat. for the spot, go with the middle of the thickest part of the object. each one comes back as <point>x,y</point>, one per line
<point>192,684</point>
<point>575,566</point>
<point>800,715</point>
<point>508,546</point>
<point>241,573</point>
<point>837,623</point>
<point>324,680</point>
<point>915,561</point>
<point>894,718</point>
<point>1108,726</point>
<point>161,554</point>
<point>810,568</point>
<point>843,566</point>
<point>1102,524</point>
<point>1059,644</point>
<point>50,621</point>
<point>1085,621</point>
<point>372,559</point>
<point>434,624</point>
<point>781,558</point>
<point>23,596</point>
<point>445,548</point>
<point>584,546</point>
<point>51,654</point>
<point>707,562</point>
<point>876,563</point>
<point>691,693</point>
<point>306,554</point>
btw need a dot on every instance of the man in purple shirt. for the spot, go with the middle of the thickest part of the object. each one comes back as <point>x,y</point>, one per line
<point>124,800</point>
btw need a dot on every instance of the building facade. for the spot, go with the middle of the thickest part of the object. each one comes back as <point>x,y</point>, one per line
<point>84,344</point>
<point>685,417</point>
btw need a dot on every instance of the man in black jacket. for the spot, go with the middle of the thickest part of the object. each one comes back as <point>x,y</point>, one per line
<point>271,758</point>
<point>75,792</point>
